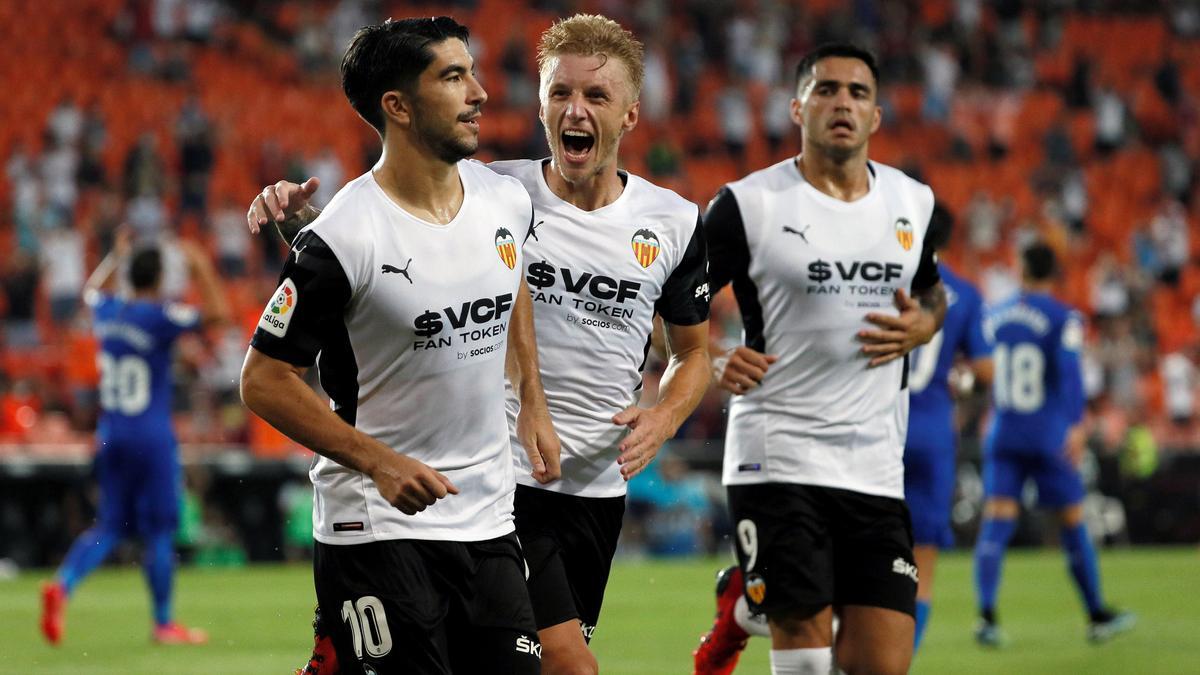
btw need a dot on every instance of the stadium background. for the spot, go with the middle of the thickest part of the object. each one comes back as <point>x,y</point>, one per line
<point>1073,121</point>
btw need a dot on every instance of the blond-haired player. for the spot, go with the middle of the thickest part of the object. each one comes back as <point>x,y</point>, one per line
<point>607,253</point>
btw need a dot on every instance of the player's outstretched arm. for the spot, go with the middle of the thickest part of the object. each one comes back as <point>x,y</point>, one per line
<point>921,315</point>
<point>104,277</point>
<point>213,310</point>
<point>683,385</point>
<point>534,426</point>
<point>285,204</point>
<point>275,391</point>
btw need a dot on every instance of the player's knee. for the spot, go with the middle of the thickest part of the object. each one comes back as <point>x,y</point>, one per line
<point>1071,515</point>
<point>1001,508</point>
<point>573,662</point>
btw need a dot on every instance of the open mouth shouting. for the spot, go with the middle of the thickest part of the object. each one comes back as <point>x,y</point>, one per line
<point>842,126</point>
<point>576,145</point>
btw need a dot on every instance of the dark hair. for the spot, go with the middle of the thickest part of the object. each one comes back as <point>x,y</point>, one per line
<point>941,226</point>
<point>830,49</point>
<point>145,268</point>
<point>391,55</point>
<point>1040,262</point>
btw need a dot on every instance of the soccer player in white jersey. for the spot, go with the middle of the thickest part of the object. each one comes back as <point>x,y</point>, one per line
<point>609,251</point>
<point>404,292</point>
<point>835,285</point>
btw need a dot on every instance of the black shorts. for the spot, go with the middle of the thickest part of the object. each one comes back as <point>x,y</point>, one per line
<point>806,547</point>
<point>428,607</point>
<point>569,543</point>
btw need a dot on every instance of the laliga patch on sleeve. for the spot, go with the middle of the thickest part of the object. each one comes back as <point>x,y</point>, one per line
<point>280,310</point>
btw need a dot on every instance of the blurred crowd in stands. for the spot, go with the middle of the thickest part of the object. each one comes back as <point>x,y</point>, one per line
<point>1073,121</point>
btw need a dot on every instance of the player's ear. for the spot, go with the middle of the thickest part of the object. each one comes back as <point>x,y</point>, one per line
<point>876,119</point>
<point>796,112</point>
<point>397,106</point>
<point>631,117</point>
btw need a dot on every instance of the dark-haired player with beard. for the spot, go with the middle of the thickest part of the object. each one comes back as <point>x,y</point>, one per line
<point>836,285</point>
<point>416,560</point>
<point>608,252</point>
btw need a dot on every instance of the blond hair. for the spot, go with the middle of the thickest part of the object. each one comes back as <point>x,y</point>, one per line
<point>589,35</point>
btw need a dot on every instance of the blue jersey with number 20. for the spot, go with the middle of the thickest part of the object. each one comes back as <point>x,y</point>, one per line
<point>136,337</point>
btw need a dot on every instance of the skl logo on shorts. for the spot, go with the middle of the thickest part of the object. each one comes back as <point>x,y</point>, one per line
<point>645,247</point>
<point>756,589</point>
<point>280,310</point>
<point>902,566</point>
<point>506,246</point>
<point>904,233</point>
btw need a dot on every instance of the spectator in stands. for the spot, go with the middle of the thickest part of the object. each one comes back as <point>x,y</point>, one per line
<point>194,139</point>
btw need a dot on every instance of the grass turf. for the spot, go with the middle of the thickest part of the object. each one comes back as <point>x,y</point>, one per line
<point>654,611</point>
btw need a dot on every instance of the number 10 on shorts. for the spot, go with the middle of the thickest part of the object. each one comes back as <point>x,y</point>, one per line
<point>368,626</point>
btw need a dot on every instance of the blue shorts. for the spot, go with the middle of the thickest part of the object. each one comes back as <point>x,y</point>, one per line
<point>139,486</point>
<point>1057,479</point>
<point>929,476</point>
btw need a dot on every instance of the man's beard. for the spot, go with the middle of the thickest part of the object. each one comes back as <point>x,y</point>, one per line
<point>443,142</point>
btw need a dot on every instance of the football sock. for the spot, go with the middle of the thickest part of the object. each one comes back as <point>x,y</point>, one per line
<point>159,567</point>
<point>1081,560</point>
<point>989,557</point>
<point>89,550</point>
<point>817,661</point>
<point>923,609</point>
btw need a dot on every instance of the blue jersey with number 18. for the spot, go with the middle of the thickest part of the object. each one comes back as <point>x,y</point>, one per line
<point>136,337</point>
<point>1037,393</point>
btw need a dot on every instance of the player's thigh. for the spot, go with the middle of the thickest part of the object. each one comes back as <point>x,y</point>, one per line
<point>784,546</point>
<point>159,491</point>
<point>491,628</point>
<point>117,508</point>
<point>568,543</point>
<point>1059,483</point>
<point>874,640</point>
<point>873,552</point>
<point>929,492</point>
<point>1004,475</point>
<point>382,608</point>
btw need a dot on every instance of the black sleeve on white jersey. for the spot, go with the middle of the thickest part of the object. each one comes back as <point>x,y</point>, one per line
<point>729,261</point>
<point>684,299</point>
<point>927,275</point>
<point>322,293</point>
<point>728,252</point>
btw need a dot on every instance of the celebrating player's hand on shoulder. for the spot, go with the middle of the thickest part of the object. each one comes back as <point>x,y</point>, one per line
<point>741,369</point>
<point>278,202</point>
<point>897,335</point>
<point>541,443</point>
<point>408,484</point>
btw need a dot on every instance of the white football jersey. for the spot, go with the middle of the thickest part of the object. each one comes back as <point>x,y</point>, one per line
<point>597,278</point>
<point>411,322</point>
<point>806,269</point>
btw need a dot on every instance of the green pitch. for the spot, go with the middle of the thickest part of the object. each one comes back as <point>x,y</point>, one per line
<point>258,619</point>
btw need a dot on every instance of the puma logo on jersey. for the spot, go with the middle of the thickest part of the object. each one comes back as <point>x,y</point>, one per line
<point>389,269</point>
<point>533,231</point>
<point>799,233</point>
<point>903,567</point>
<point>298,251</point>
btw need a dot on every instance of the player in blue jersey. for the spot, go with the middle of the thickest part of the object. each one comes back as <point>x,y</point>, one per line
<point>137,462</point>
<point>1036,432</point>
<point>929,452</point>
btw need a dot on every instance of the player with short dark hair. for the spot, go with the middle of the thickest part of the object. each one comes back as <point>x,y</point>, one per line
<point>609,251</point>
<point>1037,433</point>
<point>823,251</point>
<point>416,561</point>
<point>137,457</point>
